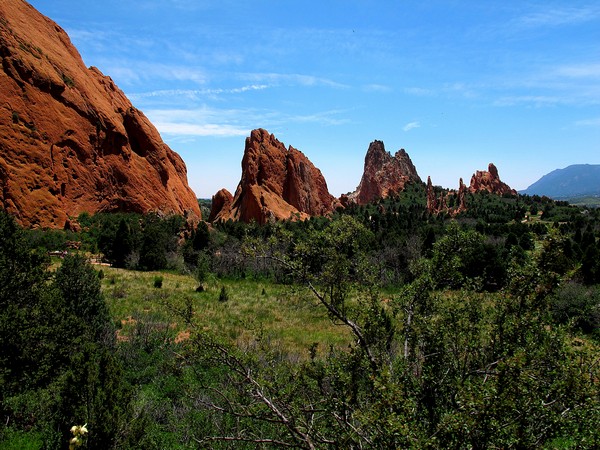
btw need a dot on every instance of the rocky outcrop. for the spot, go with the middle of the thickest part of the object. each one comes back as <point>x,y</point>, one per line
<point>462,193</point>
<point>220,209</point>
<point>480,181</point>
<point>383,174</point>
<point>457,199</point>
<point>71,141</point>
<point>277,184</point>
<point>489,181</point>
<point>432,203</point>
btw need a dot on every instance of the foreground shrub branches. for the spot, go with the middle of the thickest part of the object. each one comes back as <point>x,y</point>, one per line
<point>427,369</point>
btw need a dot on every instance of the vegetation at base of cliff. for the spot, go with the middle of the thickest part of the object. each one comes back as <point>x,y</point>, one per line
<point>381,327</point>
<point>205,205</point>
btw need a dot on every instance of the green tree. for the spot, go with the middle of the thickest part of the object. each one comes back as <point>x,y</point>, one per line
<point>590,265</point>
<point>426,370</point>
<point>124,244</point>
<point>156,242</point>
<point>57,363</point>
<point>79,288</point>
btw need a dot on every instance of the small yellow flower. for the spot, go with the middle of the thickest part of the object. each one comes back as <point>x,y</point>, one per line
<point>83,430</point>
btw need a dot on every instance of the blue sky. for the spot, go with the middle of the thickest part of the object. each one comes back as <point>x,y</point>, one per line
<point>458,84</point>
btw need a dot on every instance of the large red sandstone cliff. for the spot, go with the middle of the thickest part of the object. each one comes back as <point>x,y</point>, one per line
<point>383,174</point>
<point>70,141</point>
<point>276,184</point>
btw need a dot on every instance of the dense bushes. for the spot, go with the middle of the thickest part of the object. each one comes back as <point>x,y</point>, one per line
<point>148,242</point>
<point>427,368</point>
<point>578,306</point>
<point>479,331</point>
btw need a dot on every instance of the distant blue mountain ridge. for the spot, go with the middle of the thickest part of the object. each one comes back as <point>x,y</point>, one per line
<point>578,180</point>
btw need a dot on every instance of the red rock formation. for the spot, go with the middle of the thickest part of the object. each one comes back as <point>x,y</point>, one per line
<point>489,181</point>
<point>462,192</point>
<point>384,174</point>
<point>220,206</point>
<point>71,141</point>
<point>278,183</point>
<point>440,205</point>
<point>480,181</point>
<point>432,203</point>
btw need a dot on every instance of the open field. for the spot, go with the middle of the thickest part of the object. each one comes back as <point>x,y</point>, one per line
<point>288,316</point>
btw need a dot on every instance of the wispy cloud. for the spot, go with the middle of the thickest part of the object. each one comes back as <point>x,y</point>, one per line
<point>552,17</point>
<point>421,92</point>
<point>591,70</point>
<point>377,88</point>
<point>535,100</point>
<point>195,93</point>
<point>293,80</point>
<point>594,122</point>
<point>208,121</point>
<point>411,126</point>
<point>574,84</point>
<point>188,129</point>
<point>324,118</point>
<point>131,72</point>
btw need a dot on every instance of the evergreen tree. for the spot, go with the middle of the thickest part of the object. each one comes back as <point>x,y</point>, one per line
<point>590,265</point>
<point>123,244</point>
<point>57,362</point>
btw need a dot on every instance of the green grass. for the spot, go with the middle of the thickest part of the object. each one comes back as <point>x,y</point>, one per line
<point>21,440</point>
<point>585,201</point>
<point>287,317</point>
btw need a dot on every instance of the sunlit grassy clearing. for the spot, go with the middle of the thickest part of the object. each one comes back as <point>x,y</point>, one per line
<point>287,317</point>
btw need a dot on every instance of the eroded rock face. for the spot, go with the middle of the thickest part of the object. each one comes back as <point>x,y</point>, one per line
<point>384,174</point>
<point>480,181</point>
<point>462,192</point>
<point>220,206</point>
<point>70,140</point>
<point>489,181</point>
<point>278,183</point>
<point>432,203</point>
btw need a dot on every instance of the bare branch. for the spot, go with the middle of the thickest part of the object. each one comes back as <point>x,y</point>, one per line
<point>335,312</point>
<point>242,439</point>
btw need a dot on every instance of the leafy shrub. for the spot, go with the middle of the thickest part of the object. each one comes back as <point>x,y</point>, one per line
<point>577,304</point>
<point>158,282</point>
<point>202,268</point>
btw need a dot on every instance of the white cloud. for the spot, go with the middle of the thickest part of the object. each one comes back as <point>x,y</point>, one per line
<point>421,92</point>
<point>188,129</point>
<point>595,122</point>
<point>567,15</point>
<point>134,72</point>
<point>536,100</point>
<point>294,80</point>
<point>207,121</point>
<point>411,126</point>
<point>324,118</point>
<point>194,93</point>
<point>580,71</point>
<point>377,88</point>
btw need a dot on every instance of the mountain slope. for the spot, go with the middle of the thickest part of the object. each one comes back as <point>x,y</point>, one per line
<point>577,180</point>
<point>70,139</point>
